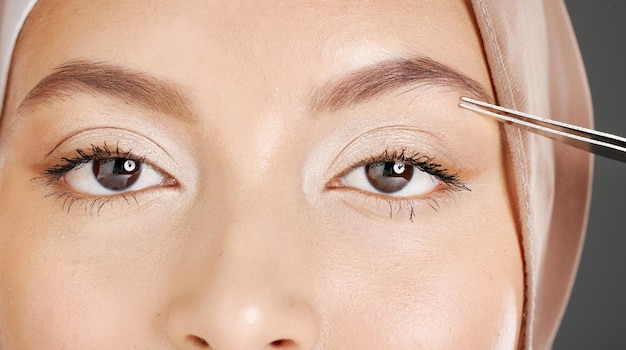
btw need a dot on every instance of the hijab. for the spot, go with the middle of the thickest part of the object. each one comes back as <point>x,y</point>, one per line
<point>535,66</point>
<point>13,13</point>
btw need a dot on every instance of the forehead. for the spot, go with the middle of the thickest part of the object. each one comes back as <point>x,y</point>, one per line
<point>242,46</point>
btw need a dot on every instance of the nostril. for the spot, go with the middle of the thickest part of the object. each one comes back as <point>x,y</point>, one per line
<point>282,343</point>
<point>278,344</point>
<point>198,341</point>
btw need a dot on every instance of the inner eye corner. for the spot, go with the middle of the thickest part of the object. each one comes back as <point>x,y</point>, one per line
<point>170,181</point>
<point>334,183</point>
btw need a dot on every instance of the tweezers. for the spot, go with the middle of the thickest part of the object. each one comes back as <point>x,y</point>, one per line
<point>597,142</point>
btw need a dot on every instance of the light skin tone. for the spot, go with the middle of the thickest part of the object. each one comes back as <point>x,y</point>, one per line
<point>254,224</point>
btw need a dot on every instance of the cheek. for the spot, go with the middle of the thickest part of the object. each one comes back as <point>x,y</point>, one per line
<point>452,281</point>
<point>67,282</point>
<point>454,311</point>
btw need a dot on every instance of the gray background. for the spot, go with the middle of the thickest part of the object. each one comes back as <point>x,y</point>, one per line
<point>596,315</point>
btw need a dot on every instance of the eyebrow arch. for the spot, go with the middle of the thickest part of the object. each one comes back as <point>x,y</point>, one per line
<point>110,80</point>
<point>373,81</point>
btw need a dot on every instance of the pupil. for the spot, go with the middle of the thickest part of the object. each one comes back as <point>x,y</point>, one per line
<point>389,177</point>
<point>116,173</point>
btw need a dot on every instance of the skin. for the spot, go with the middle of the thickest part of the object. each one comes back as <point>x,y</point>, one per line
<point>256,243</point>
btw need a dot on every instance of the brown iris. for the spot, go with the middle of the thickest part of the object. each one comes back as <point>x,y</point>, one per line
<point>116,174</point>
<point>389,177</point>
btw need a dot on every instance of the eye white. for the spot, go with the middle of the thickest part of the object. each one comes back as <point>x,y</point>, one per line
<point>82,179</point>
<point>421,183</point>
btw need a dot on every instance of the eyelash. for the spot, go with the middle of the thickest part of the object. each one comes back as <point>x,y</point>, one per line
<point>422,162</point>
<point>95,204</point>
<point>81,157</point>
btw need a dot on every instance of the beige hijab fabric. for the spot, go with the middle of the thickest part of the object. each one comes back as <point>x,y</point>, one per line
<point>535,67</point>
<point>12,16</point>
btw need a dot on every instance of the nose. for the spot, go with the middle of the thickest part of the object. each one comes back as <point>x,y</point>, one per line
<point>246,290</point>
<point>246,325</point>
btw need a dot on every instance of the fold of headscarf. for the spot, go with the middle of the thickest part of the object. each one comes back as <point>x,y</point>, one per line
<point>535,67</point>
<point>13,13</point>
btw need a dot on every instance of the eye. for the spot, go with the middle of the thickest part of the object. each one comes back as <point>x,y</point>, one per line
<point>112,176</point>
<point>399,179</point>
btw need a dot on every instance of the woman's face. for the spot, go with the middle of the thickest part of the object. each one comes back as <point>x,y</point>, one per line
<point>227,175</point>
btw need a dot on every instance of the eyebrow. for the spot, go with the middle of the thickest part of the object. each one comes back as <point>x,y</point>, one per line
<point>114,81</point>
<point>373,81</point>
<point>153,94</point>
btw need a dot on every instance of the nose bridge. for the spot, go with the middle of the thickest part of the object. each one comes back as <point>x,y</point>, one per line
<point>259,245</point>
<point>262,227</point>
<point>252,291</point>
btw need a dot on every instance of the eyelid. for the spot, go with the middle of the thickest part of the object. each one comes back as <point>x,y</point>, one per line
<point>124,143</point>
<point>78,168</point>
<point>397,143</point>
<point>72,196</point>
<point>395,203</point>
<point>422,163</point>
<point>139,146</point>
<point>371,143</point>
<point>412,142</point>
